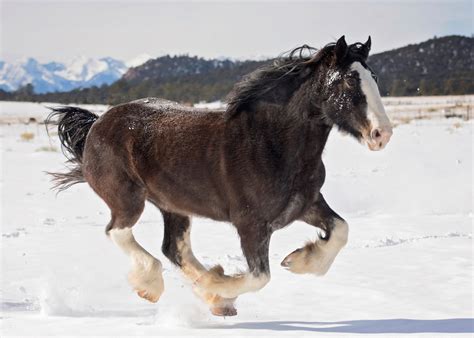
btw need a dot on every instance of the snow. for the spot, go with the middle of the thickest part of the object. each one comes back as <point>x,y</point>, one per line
<point>22,112</point>
<point>82,68</point>
<point>334,75</point>
<point>17,74</point>
<point>138,60</point>
<point>54,76</point>
<point>406,270</point>
<point>210,105</point>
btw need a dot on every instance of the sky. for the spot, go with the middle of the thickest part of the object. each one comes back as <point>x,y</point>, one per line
<point>60,31</point>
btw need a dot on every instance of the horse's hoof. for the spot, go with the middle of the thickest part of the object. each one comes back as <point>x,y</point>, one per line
<point>291,258</point>
<point>147,282</point>
<point>224,311</point>
<point>309,259</point>
<point>149,297</point>
<point>296,261</point>
<point>218,305</point>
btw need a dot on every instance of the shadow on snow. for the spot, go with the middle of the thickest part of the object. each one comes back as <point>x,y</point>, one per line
<point>454,325</point>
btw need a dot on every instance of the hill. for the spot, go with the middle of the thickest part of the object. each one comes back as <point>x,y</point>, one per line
<point>439,66</point>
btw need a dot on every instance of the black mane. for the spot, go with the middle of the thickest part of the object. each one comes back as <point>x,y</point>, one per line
<point>285,68</point>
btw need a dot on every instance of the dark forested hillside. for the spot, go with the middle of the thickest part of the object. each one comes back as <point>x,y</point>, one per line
<point>439,66</point>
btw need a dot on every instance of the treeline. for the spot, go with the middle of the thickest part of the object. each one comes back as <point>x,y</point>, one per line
<point>439,66</point>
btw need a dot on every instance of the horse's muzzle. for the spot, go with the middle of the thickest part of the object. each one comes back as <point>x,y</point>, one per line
<point>379,137</point>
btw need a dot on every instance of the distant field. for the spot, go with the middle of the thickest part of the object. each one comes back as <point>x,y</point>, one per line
<point>400,109</point>
<point>422,107</point>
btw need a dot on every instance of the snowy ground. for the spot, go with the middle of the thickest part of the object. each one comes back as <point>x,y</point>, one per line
<point>406,270</point>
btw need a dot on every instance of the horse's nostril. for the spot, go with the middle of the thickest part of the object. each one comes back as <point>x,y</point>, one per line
<point>376,134</point>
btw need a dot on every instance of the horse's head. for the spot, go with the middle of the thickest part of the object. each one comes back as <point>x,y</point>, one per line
<point>351,99</point>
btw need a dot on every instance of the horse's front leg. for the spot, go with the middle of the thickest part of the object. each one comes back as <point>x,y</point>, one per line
<point>317,257</point>
<point>255,241</point>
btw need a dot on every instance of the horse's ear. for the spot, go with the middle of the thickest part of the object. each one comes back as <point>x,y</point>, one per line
<point>341,48</point>
<point>368,44</point>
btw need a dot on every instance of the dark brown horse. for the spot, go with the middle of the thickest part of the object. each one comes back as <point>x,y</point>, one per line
<point>256,164</point>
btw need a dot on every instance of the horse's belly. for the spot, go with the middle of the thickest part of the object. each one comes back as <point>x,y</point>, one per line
<point>185,201</point>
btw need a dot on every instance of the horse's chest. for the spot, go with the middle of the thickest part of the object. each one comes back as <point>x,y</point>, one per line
<point>309,179</point>
<point>304,192</point>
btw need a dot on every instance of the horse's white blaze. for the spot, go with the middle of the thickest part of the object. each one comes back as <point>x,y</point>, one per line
<point>375,109</point>
<point>145,275</point>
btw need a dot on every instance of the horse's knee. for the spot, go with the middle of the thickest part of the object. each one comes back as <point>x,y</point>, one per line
<point>340,232</point>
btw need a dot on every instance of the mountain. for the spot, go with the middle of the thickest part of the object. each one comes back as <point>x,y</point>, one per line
<point>169,67</point>
<point>81,72</point>
<point>434,67</point>
<point>183,78</point>
<point>439,66</point>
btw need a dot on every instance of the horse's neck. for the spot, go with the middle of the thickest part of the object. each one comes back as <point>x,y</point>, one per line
<point>317,136</point>
<point>308,119</point>
<point>296,127</point>
<point>298,138</point>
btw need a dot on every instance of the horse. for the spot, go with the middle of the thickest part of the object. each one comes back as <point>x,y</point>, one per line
<point>256,164</point>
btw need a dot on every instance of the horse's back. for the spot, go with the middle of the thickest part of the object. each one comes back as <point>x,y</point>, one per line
<point>173,150</point>
<point>158,103</point>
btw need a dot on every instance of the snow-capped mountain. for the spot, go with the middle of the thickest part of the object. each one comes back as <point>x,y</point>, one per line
<point>81,72</point>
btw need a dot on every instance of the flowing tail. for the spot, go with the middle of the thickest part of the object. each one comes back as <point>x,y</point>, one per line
<point>73,126</point>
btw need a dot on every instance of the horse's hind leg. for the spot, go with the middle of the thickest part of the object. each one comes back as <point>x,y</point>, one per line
<point>146,273</point>
<point>177,247</point>
<point>126,201</point>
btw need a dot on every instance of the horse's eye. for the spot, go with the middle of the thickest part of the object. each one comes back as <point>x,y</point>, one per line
<point>375,77</point>
<point>351,82</point>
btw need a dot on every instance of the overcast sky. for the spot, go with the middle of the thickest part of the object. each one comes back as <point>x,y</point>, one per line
<point>59,31</point>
